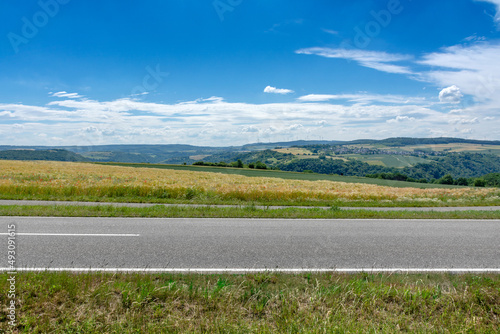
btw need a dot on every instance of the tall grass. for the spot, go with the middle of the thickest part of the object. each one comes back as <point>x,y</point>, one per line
<point>233,212</point>
<point>65,180</point>
<point>254,303</point>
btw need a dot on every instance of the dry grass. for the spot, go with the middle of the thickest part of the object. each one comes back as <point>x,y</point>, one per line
<point>293,150</point>
<point>254,303</point>
<point>454,147</point>
<point>63,180</point>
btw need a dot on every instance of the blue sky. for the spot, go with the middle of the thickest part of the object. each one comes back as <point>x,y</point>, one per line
<point>230,72</point>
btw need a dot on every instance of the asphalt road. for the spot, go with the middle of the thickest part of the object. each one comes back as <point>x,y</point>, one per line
<point>142,205</point>
<point>166,243</point>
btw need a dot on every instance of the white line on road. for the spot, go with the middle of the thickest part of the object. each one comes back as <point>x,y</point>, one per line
<point>74,234</point>
<point>259,270</point>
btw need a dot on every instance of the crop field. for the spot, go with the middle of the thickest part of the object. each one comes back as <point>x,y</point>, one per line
<point>284,175</point>
<point>458,147</point>
<point>397,161</point>
<point>294,151</point>
<point>83,181</point>
<point>452,147</point>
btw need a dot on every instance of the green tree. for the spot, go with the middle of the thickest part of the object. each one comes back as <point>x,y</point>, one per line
<point>479,183</point>
<point>260,165</point>
<point>447,179</point>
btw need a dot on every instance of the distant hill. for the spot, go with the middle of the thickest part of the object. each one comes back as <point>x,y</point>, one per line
<point>180,153</point>
<point>396,141</point>
<point>265,146</point>
<point>145,149</point>
<point>30,154</point>
<point>176,148</point>
<point>406,141</point>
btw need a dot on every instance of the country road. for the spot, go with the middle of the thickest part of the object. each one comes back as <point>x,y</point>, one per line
<point>239,244</point>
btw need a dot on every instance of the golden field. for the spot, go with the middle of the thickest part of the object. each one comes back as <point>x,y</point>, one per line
<point>67,180</point>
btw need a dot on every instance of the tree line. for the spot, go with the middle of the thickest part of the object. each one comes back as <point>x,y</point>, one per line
<point>235,164</point>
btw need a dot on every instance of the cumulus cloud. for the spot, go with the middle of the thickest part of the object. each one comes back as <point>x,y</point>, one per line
<point>450,94</point>
<point>381,61</point>
<point>7,113</point>
<point>251,128</point>
<point>399,119</point>
<point>214,121</point>
<point>475,69</point>
<point>274,90</point>
<point>90,129</point>
<point>296,127</point>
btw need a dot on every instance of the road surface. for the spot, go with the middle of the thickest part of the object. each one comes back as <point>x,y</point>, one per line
<point>224,244</point>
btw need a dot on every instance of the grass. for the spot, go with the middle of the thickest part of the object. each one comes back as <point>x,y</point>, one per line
<point>397,161</point>
<point>283,175</point>
<point>294,151</point>
<point>159,211</point>
<point>46,180</point>
<point>458,147</point>
<point>253,303</point>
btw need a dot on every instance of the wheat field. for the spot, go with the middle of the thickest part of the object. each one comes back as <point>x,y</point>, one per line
<point>66,180</point>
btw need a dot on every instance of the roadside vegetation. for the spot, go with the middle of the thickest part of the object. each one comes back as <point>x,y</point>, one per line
<point>160,211</point>
<point>253,303</point>
<point>47,180</point>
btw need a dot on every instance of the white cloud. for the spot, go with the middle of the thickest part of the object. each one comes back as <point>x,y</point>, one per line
<point>474,38</point>
<point>450,94</point>
<point>139,94</point>
<point>67,95</point>
<point>317,97</point>
<point>274,90</point>
<point>250,128</point>
<point>331,32</point>
<point>362,98</point>
<point>475,69</point>
<point>399,119</point>
<point>214,121</point>
<point>296,127</point>
<point>463,120</point>
<point>381,61</point>
<point>497,5</point>
<point>7,113</point>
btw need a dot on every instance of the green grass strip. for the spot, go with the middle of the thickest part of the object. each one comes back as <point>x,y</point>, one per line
<point>253,303</point>
<point>160,211</point>
<point>212,199</point>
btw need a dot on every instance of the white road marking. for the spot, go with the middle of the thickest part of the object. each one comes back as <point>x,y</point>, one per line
<point>74,234</point>
<point>259,270</point>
